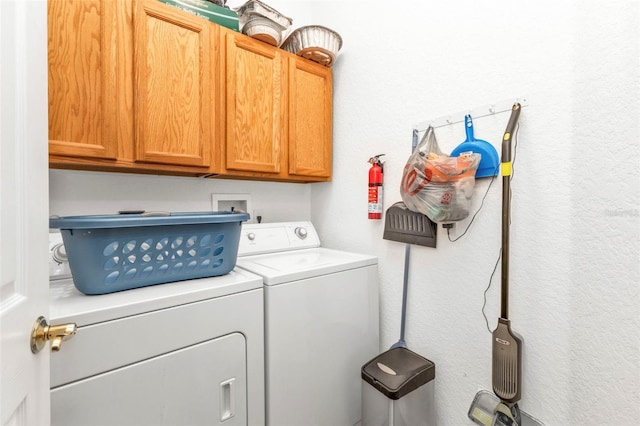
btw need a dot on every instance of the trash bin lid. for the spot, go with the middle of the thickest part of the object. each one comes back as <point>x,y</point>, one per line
<point>397,372</point>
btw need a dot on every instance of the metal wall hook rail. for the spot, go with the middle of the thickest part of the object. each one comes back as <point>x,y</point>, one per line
<point>478,112</point>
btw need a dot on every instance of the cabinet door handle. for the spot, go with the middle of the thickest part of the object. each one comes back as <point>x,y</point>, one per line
<point>227,399</point>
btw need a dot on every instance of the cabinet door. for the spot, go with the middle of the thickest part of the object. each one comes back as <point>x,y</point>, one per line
<point>255,106</point>
<point>173,87</point>
<point>82,78</point>
<point>310,119</point>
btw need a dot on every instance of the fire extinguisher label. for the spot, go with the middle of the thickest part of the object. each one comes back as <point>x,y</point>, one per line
<point>375,199</point>
<point>375,188</point>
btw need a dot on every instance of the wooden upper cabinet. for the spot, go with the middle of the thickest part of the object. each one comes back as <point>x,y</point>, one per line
<point>82,78</point>
<point>310,118</point>
<point>174,85</point>
<point>255,106</point>
<point>141,86</point>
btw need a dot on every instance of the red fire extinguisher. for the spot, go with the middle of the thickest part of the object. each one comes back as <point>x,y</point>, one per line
<point>375,187</point>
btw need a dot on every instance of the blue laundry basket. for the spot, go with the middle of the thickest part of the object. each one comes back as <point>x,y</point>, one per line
<point>111,253</point>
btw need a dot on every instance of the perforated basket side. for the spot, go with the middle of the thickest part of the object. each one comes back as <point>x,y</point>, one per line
<point>405,226</point>
<point>114,259</point>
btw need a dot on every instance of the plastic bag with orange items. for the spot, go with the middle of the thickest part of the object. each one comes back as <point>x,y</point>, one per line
<point>437,185</point>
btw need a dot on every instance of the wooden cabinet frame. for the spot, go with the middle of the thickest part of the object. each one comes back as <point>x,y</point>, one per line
<point>224,105</point>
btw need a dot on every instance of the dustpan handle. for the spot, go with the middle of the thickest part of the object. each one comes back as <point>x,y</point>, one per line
<point>405,285</point>
<point>506,206</point>
<point>405,288</point>
<point>468,128</point>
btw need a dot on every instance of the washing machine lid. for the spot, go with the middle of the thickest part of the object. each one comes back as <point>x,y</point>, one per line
<point>67,304</point>
<point>283,267</point>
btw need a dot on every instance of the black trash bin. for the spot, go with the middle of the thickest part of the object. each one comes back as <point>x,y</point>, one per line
<point>398,390</point>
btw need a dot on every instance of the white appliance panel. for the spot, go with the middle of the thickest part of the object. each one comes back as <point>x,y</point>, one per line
<point>319,332</point>
<point>278,268</point>
<point>159,391</point>
<point>121,332</point>
<point>321,323</point>
<point>274,237</point>
<point>69,304</point>
<point>108,345</point>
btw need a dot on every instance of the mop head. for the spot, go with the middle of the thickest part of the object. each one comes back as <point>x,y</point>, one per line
<point>507,416</point>
<point>487,410</point>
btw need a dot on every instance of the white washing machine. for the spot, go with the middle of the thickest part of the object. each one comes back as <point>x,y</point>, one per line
<point>321,323</point>
<point>183,353</point>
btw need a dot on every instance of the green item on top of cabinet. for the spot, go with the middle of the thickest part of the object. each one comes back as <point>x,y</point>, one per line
<point>208,10</point>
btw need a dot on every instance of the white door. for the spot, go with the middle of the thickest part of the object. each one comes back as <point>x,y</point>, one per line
<point>24,205</point>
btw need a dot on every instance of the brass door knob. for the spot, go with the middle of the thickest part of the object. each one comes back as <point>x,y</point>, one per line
<point>41,332</point>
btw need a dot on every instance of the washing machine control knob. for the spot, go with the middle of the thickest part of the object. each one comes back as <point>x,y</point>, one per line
<point>58,254</point>
<point>301,232</point>
<point>251,236</point>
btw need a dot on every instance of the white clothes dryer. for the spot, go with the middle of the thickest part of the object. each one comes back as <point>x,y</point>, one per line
<point>321,323</point>
<point>188,352</point>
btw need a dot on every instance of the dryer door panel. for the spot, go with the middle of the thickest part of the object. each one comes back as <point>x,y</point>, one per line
<point>197,385</point>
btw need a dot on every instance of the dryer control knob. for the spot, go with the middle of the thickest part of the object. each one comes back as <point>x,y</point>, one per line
<point>251,236</point>
<point>301,233</point>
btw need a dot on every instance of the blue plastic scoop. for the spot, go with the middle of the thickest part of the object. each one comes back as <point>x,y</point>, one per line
<point>489,160</point>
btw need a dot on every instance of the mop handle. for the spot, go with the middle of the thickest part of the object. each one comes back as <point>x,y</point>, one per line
<point>506,206</point>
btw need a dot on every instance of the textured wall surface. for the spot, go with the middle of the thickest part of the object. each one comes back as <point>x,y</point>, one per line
<point>79,193</point>
<point>575,233</point>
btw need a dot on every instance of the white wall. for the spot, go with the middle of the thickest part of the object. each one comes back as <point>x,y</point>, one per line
<point>575,235</point>
<point>78,193</point>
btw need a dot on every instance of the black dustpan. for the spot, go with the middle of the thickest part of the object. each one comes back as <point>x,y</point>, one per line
<point>406,226</point>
